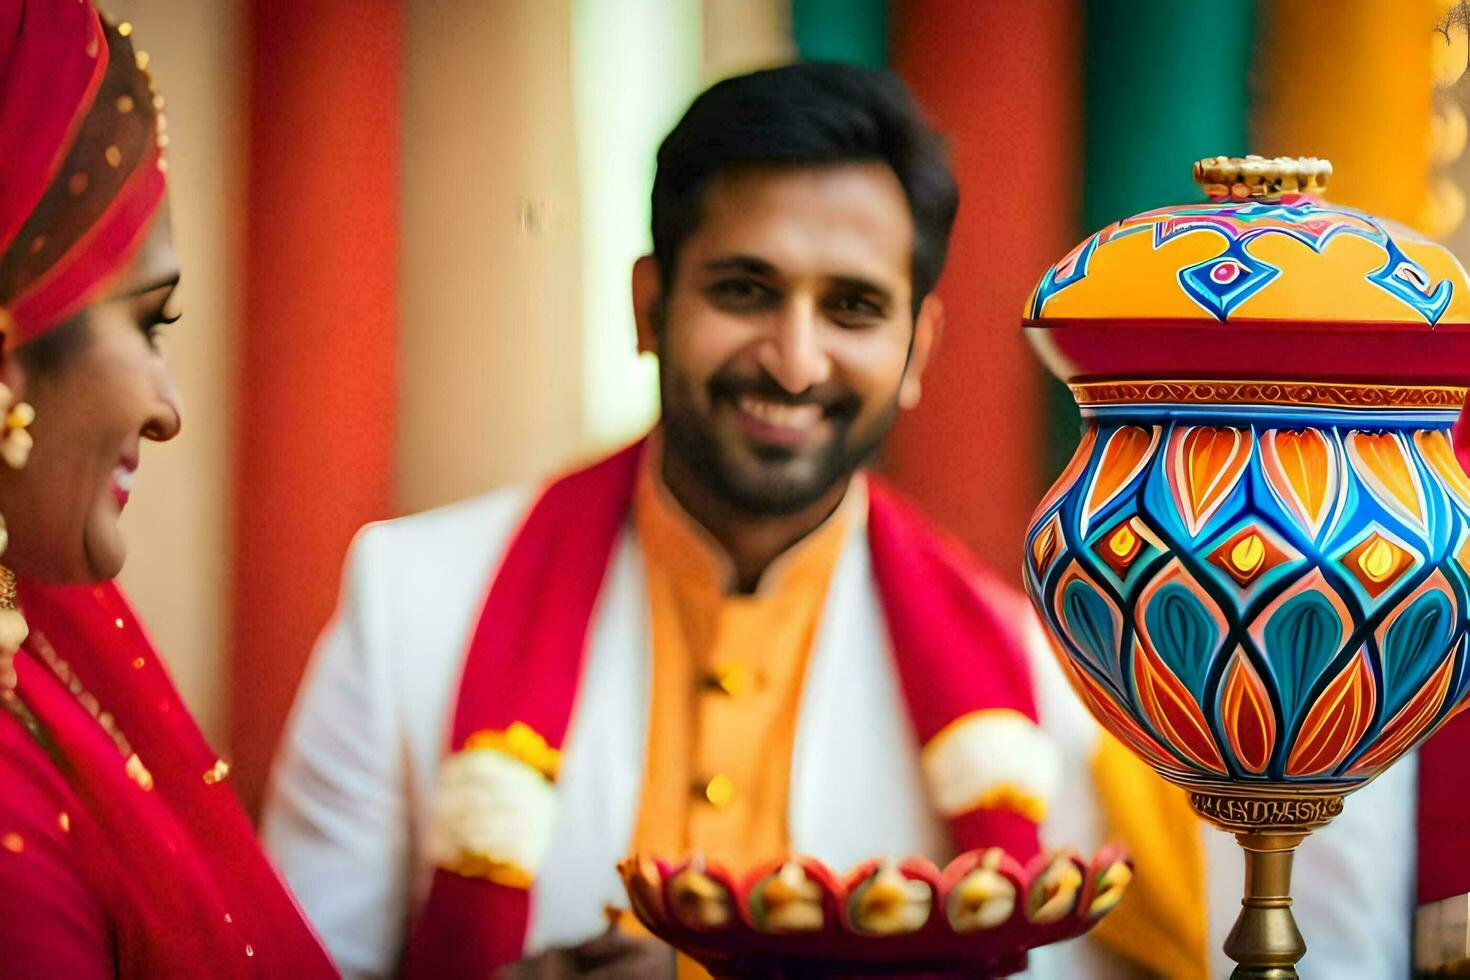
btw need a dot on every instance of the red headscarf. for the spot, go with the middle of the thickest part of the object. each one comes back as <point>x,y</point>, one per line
<point>81,165</point>
<point>159,838</point>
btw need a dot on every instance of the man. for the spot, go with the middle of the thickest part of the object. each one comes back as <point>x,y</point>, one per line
<point>724,639</point>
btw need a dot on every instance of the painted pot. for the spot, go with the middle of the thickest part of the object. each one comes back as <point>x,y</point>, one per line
<point>1256,566</point>
<point>1260,594</point>
<point>1256,562</point>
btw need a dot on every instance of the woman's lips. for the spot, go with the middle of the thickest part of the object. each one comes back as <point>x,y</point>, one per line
<point>122,484</point>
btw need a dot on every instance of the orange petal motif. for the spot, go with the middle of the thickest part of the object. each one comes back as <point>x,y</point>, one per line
<point>1128,450</point>
<point>1173,711</point>
<point>1437,451</point>
<point>1387,470</point>
<point>1336,722</point>
<point>1205,464</point>
<point>1246,715</point>
<point>1045,545</point>
<point>1116,720</point>
<point>1409,725</point>
<point>1300,468</point>
<point>1069,476</point>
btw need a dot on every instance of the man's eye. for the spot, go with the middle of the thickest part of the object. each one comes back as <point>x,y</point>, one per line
<point>740,292</point>
<point>855,308</point>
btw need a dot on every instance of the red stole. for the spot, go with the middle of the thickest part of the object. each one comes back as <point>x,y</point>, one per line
<point>177,866</point>
<point>956,650</point>
<point>1444,805</point>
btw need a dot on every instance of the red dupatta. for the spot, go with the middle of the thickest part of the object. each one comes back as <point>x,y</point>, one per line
<point>163,842</point>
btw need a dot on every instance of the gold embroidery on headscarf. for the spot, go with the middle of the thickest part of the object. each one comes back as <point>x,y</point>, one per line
<point>111,142</point>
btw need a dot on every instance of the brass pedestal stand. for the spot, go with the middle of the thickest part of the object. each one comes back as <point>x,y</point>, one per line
<point>1265,943</point>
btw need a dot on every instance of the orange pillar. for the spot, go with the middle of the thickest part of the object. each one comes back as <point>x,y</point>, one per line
<point>1003,80</point>
<point>316,355</point>
<point>1356,87</point>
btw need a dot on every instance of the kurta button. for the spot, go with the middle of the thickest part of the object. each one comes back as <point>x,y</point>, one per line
<point>719,791</point>
<point>732,679</point>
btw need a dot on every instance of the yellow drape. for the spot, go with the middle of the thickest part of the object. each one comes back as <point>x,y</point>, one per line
<point>1162,924</point>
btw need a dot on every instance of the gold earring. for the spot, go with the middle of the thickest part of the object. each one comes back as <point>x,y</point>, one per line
<point>13,629</point>
<point>15,447</point>
<point>16,443</point>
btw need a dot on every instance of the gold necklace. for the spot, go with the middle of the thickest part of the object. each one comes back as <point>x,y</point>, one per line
<point>134,766</point>
<point>13,632</point>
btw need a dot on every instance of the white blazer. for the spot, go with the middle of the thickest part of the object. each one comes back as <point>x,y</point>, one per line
<point>348,812</point>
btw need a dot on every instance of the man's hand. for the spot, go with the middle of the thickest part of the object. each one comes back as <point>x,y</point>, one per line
<point>611,956</point>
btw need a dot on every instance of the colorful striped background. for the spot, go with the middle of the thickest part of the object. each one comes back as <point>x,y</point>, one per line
<point>417,285</point>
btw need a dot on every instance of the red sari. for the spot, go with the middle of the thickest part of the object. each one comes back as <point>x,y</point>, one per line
<point>111,867</point>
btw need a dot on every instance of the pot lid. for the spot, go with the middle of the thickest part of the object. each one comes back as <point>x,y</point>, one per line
<point>1263,246</point>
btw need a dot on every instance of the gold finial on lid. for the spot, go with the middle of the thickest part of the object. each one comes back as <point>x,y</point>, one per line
<point>1257,178</point>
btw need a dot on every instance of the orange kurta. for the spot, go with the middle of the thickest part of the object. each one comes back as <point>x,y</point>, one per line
<point>728,672</point>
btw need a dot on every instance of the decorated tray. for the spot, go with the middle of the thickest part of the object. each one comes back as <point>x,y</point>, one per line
<point>979,916</point>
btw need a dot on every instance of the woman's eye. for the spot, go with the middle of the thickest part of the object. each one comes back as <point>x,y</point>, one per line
<point>153,325</point>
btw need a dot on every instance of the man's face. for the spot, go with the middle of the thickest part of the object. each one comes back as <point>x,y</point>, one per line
<point>784,341</point>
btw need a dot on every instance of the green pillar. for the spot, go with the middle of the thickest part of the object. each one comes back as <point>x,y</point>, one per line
<point>855,31</point>
<point>1165,83</point>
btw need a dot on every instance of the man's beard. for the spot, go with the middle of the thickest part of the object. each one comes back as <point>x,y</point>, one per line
<point>782,481</point>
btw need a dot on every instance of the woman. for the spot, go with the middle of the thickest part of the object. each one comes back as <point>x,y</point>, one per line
<point>122,853</point>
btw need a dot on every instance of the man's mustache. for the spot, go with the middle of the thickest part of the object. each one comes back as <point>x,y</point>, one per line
<point>834,398</point>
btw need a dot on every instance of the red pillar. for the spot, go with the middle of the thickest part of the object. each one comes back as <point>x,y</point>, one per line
<point>1004,81</point>
<point>315,359</point>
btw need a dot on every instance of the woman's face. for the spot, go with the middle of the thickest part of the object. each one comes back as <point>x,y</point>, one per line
<point>106,391</point>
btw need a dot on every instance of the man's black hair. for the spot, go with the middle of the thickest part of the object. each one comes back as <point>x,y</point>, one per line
<point>815,113</point>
